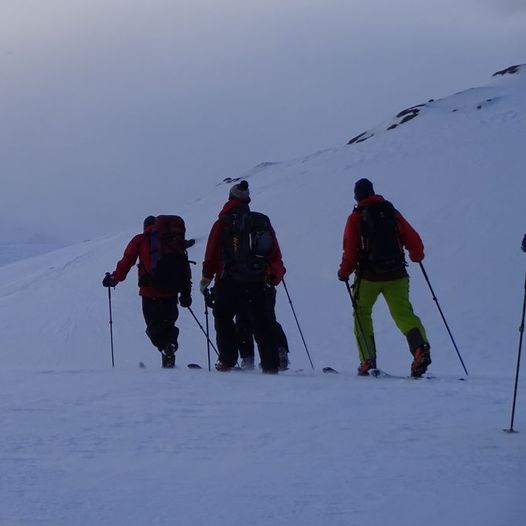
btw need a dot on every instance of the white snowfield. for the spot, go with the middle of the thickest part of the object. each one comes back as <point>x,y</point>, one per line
<point>84,444</point>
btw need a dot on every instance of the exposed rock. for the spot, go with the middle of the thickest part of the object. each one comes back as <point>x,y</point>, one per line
<point>508,71</point>
<point>360,138</point>
<point>231,179</point>
<point>410,116</point>
<point>412,109</point>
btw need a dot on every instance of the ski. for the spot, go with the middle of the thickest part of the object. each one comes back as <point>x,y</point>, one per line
<point>142,365</point>
<point>240,369</point>
<point>374,373</point>
<point>380,373</point>
<point>197,366</point>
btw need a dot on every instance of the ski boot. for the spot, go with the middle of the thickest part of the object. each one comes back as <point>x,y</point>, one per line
<point>168,356</point>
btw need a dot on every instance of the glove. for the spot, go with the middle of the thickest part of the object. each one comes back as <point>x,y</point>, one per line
<point>341,277</point>
<point>203,284</point>
<point>209,298</point>
<point>523,246</point>
<point>109,280</point>
<point>185,300</point>
<point>273,280</point>
<point>417,257</point>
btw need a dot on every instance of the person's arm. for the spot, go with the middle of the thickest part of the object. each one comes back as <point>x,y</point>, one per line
<point>276,267</point>
<point>212,261</point>
<point>410,239</point>
<point>351,246</point>
<point>131,253</point>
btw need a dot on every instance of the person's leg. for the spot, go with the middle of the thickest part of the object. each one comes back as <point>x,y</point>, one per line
<point>256,302</point>
<point>244,336</point>
<point>365,294</point>
<point>160,315</point>
<point>396,295</point>
<point>280,339</point>
<point>225,308</point>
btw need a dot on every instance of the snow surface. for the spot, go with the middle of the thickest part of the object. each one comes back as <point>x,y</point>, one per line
<point>85,444</point>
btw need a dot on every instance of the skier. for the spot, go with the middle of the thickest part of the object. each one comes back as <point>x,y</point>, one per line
<point>243,255</point>
<point>373,241</point>
<point>244,333</point>
<point>161,293</point>
<point>523,246</point>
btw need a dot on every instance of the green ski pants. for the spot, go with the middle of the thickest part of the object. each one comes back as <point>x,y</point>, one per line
<point>396,294</point>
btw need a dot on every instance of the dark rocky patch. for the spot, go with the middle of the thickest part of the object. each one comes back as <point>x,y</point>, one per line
<point>404,116</point>
<point>410,116</point>
<point>410,110</point>
<point>361,138</point>
<point>231,179</point>
<point>508,71</point>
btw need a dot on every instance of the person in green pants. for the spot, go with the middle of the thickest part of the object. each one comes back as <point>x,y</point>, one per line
<point>374,239</point>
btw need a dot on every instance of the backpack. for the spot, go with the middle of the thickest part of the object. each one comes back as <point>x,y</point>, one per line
<point>381,248</point>
<point>169,267</point>
<point>248,242</point>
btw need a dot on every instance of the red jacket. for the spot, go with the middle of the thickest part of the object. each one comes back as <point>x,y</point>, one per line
<point>213,265</point>
<point>352,239</point>
<point>139,248</point>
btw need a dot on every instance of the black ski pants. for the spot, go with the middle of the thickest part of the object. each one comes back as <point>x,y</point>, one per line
<point>160,315</point>
<point>250,299</point>
<point>245,333</point>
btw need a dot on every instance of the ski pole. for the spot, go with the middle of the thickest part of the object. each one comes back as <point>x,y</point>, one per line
<point>111,325</point>
<point>521,331</point>
<point>358,322</point>
<point>443,318</point>
<point>202,330</point>
<point>207,330</point>
<point>297,323</point>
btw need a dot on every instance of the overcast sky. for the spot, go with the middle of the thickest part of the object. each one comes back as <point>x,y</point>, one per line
<point>114,109</point>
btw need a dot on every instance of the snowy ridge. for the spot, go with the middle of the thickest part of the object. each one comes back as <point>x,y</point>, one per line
<point>85,444</point>
<point>464,101</point>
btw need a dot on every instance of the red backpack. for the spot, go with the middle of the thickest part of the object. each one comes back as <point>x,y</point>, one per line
<point>169,267</point>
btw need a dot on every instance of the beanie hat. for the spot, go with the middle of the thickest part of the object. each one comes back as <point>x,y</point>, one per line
<point>362,189</point>
<point>240,192</point>
<point>148,221</point>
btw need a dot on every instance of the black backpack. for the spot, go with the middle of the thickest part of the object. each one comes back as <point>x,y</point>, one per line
<point>381,248</point>
<point>248,242</point>
<point>169,266</point>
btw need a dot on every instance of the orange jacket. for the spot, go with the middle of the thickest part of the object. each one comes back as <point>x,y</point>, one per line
<point>139,248</point>
<point>352,239</point>
<point>213,264</point>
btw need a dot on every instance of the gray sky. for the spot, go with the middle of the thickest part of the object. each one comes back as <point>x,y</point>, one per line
<point>114,109</point>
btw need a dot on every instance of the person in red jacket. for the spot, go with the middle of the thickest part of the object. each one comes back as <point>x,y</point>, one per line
<point>373,241</point>
<point>243,255</point>
<point>159,307</point>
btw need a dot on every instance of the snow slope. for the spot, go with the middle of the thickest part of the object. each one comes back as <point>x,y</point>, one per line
<point>85,444</point>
